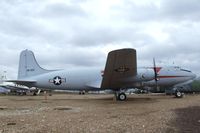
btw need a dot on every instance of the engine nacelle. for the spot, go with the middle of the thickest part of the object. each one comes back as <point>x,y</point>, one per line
<point>145,74</point>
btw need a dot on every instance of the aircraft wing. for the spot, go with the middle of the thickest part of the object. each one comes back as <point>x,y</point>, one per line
<point>120,65</point>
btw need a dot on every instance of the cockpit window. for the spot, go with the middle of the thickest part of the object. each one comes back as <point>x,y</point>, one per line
<point>177,67</point>
<point>185,70</point>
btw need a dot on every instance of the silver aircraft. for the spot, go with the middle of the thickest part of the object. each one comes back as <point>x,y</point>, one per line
<point>120,74</point>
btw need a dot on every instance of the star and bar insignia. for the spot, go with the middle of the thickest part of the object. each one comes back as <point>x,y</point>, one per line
<point>57,80</point>
<point>122,69</point>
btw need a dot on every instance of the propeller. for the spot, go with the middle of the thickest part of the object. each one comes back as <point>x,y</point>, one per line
<point>155,73</point>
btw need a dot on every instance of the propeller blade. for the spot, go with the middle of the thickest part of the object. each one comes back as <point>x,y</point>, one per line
<point>155,71</point>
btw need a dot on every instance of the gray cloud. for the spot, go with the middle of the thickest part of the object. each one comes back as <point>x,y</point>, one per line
<point>66,34</point>
<point>166,10</point>
<point>62,10</point>
<point>133,12</point>
<point>104,35</point>
<point>181,10</point>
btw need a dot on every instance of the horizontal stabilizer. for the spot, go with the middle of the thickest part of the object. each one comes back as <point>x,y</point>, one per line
<point>28,83</point>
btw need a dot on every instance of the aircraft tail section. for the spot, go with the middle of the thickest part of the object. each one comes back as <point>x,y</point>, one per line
<point>28,65</point>
<point>121,64</point>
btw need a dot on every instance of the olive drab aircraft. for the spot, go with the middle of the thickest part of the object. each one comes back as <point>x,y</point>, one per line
<point>120,74</point>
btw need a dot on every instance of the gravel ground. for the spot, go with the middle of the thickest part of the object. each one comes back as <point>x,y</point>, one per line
<point>99,113</point>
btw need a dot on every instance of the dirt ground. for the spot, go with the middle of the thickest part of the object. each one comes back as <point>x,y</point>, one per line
<point>73,113</point>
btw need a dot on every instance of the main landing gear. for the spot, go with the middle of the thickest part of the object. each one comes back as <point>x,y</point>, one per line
<point>178,94</point>
<point>82,92</point>
<point>121,96</point>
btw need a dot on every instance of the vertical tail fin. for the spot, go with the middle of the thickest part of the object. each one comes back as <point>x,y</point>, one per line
<point>28,65</point>
<point>121,64</point>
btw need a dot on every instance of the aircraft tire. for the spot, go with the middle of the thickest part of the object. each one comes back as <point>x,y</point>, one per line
<point>178,94</point>
<point>81,93</point>
<point>121,97</point>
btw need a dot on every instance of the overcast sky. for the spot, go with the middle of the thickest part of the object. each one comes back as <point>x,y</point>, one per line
<point>80,33</point>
